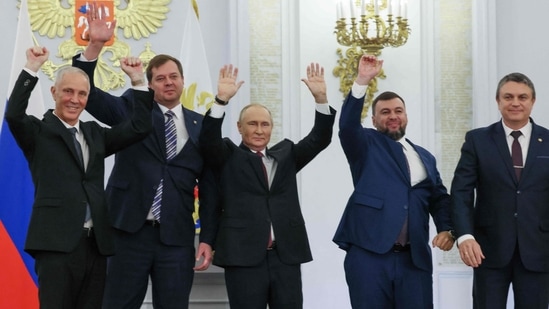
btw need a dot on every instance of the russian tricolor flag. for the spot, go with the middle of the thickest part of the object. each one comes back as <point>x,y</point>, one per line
<point>18,284</point>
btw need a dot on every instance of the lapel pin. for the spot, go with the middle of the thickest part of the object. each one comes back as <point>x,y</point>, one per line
<point>194,121</point>
<point>540,139</point>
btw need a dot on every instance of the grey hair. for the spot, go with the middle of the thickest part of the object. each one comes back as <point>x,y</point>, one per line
<point>69,69</point>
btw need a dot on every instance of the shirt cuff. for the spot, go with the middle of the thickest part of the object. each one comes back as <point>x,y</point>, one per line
<point>31,72</point>
<point>323,108</point>
<point>465,237</point>
<point>141,88</point>
<point>217,111</point>
<point>358,91</point>
<point>83,59</point>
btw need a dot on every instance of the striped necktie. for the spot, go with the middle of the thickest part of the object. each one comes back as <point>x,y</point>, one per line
<point>171,150</point>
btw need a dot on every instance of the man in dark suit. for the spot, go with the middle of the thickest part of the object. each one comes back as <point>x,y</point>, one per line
<point>152,243</point>
<point>262,239</point>
<point>69,235</point>
<point>504,230</point>
<point>385,225</point>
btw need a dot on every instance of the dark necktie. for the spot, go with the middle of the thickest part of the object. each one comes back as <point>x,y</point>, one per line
<point>403,235</point>
<point>78,147</point>
<point>171,150</point>
<point>516,153</point>
<point>260,155</point>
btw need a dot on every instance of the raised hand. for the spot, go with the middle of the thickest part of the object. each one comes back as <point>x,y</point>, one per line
<point>316,83</point>
<point>100,29</point>
<point>227,86</point>
<point>368,67</point>
<point>133,67</point>
<point>36,56</point>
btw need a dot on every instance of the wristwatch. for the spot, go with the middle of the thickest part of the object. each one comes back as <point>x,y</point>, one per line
<point>221,102</point>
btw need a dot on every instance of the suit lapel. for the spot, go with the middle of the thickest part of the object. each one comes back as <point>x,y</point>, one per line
<point>256,164</point>
<point>192,126</point>
<point>156,142</point>
<point>64,133</point>
<point>395,149</point>
<point>500,140</point>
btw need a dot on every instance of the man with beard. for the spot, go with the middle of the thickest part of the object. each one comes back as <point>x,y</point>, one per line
<point>385,225</point>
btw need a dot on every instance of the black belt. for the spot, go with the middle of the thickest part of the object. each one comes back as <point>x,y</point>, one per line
<point>153,223</point>
<point>88,231</point>
<point>272,247</point>
<point>401,248</point>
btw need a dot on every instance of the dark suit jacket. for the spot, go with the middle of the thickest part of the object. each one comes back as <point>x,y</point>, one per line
<point>138,169</point>
<point>382,194</point>
<point>62,187</point>
<point>506,212</point>
<point>249,206</point>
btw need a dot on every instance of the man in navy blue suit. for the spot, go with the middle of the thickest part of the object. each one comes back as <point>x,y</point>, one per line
<point>159,245</point>
<point>385,225</point>
<point>503,233</point>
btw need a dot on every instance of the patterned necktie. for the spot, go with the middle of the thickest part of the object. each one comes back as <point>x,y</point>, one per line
<point>171,150</point>
<point>516,153</point>
<point>78,147</point>
<point>260,155</point>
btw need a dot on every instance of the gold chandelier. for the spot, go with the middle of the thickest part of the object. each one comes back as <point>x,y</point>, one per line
<point>367,33</point>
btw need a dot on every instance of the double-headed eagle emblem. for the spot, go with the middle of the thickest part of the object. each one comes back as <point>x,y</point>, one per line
<point>137,18</point>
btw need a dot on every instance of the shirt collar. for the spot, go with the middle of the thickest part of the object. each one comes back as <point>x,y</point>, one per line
<point>177,110</point>
<point>68,126</point>
<point>526,130</point>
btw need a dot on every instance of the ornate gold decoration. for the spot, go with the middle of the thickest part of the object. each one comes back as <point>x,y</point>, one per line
<point>138,19</point>
<point>367,34</point>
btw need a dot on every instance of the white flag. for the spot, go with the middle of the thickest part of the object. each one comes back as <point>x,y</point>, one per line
<point>24,41</point>
<point>198,95</point>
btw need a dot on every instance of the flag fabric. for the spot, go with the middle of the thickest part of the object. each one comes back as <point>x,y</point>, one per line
<point>18,282</point>
<point>197,95</point>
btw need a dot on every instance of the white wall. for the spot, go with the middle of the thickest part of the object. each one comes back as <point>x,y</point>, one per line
<point>516,43</point>
<point>326,182</point>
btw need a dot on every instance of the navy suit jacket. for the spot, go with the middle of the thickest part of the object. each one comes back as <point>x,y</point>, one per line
<point>138,170</point>
<point>62,187</point>
<point>506,212</point>
<point>383,195</point>
<point>249,206</point>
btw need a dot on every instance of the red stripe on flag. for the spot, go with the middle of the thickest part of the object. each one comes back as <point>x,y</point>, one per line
<point>17,286</point>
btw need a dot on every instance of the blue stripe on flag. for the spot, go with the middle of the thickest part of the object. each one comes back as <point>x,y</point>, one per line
<point>16,193</point>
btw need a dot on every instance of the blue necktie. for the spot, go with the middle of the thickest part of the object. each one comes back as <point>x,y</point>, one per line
<point>171,150</point>
<point>403,234</point>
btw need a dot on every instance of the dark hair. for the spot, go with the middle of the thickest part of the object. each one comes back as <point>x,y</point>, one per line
<point>517,78</point>
<point>159,60</point>
<point>387,95</point>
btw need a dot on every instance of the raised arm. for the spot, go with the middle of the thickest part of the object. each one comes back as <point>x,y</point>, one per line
<point>368,68</point>
<point>36,56</point>
<point>227,85</point>
<point>316,83</point>
<point>100,31</point>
